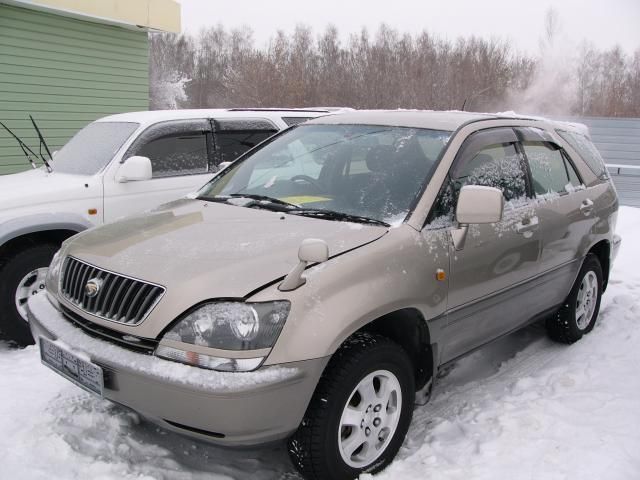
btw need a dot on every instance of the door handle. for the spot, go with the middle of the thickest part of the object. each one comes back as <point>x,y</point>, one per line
<point>527,225</point>
<point>587,207</point>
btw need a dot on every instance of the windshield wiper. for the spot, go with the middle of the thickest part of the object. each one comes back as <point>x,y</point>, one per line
<point>338,216</point>
<point>264,198</point>
<point>46,147</point>
<point>257,201</point>
<point>25,148</point>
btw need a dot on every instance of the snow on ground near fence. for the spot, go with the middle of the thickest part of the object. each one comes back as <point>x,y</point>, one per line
<point>521,408</point>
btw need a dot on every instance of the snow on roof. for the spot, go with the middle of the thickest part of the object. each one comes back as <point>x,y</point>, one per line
<point>438,120</point>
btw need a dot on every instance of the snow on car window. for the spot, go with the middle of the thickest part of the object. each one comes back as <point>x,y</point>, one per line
<point>586,149</point>
<point>177,154</point>
<point>93,147</point>
<point>499,166</point>
<point>369,171</point>
<point>550,171</point>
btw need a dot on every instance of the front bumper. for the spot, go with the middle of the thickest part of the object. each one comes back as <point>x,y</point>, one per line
<point>231,409</point>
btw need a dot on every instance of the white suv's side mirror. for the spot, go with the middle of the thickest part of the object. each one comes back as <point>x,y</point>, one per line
<point>478,204</point>
<point>134,169</point>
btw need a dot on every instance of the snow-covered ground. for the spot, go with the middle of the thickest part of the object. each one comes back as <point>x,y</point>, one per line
<point>522,408</point>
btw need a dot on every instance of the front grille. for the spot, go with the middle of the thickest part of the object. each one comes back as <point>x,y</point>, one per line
<point>137,344</point>
<point>119,299</point>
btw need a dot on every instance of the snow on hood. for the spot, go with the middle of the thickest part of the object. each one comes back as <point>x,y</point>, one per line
<point>207,250</point>
<point>37,187</point>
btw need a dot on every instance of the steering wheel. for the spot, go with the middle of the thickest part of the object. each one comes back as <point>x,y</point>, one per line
<point>308,179</point>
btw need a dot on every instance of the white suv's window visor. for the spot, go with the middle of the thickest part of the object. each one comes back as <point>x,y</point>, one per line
<point>93,147</point>
<point>333,171</point>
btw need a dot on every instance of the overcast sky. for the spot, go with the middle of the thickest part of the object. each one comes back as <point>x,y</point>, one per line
<point>520,22</point>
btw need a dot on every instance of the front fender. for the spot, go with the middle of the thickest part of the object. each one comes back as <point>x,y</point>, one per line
<point>41,222</point>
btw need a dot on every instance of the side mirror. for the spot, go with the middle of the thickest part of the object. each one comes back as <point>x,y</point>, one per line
<point>134,169</point>
<point>311,250</point>
<point>478,204</point>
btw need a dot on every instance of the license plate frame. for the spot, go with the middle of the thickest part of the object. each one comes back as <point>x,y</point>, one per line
<point>85,374</point>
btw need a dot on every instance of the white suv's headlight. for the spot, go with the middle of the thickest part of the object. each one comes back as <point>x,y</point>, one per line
<point>226,326</point>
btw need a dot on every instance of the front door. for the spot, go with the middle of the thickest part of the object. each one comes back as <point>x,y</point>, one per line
<point>181,155</point>
<point>491,273</point>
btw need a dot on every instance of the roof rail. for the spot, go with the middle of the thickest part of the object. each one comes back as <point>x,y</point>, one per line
<point>269,109</point>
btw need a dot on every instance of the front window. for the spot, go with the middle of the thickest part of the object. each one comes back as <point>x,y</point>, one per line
<point>177,154</point>
<point>374,172</point>
<point>93,147</point>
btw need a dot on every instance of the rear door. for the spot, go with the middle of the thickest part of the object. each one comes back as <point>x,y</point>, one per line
<point>490,276</point>
<point>233,137</point>
<point>565,210</point>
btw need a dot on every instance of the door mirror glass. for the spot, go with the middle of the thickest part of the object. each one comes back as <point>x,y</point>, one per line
<point>134,169</point>
<point>479,204</point>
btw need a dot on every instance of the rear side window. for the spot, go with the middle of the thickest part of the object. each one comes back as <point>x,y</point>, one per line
<point>233,144</point>
<point>587,150</point>
<point>551,171</point>
<point>233,137</point>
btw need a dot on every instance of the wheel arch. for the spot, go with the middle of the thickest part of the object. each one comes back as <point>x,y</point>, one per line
<point>22,232</point>
<point>408,328</point>
<point>602,250</point>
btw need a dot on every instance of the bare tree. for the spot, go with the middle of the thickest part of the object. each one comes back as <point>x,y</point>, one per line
<point>388,69</point>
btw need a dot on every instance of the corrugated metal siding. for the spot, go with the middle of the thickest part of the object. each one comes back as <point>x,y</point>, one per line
<point>618,140</point>
<point>66,73</point>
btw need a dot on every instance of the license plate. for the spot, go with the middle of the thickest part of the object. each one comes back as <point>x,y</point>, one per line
<point>84,374</point>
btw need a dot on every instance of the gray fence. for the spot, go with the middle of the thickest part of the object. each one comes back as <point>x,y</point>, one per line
<point>618,140</point>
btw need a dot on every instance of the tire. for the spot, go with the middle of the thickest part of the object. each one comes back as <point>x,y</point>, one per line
<point>569,324</point>
<point>365,359</point>
<point>12,272</point>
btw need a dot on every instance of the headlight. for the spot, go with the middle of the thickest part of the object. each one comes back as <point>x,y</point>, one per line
<point>227,326</point>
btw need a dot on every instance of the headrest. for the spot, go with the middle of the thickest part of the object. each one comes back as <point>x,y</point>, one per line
<point>380,158</point>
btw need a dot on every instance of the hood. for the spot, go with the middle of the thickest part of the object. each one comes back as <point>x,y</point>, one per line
<point>200,250</point>
<point>38,187</point>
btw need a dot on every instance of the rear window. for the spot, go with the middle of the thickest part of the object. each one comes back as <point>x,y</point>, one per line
<point>587,150</point>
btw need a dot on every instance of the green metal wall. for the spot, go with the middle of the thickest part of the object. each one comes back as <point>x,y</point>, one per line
<point>66,73</point>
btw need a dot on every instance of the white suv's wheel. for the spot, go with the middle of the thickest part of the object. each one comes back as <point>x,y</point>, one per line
<point>360,411</point>
<point>22,274</point>
<point>32,283</point>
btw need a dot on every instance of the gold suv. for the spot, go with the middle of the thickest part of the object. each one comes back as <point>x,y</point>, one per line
<point>313,286</point>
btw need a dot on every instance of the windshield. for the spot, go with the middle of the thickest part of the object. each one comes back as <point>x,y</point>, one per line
<point>93,147</point>
<point>368,171</point>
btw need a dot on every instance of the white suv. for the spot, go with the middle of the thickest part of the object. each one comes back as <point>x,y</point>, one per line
<point>116,166</point>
